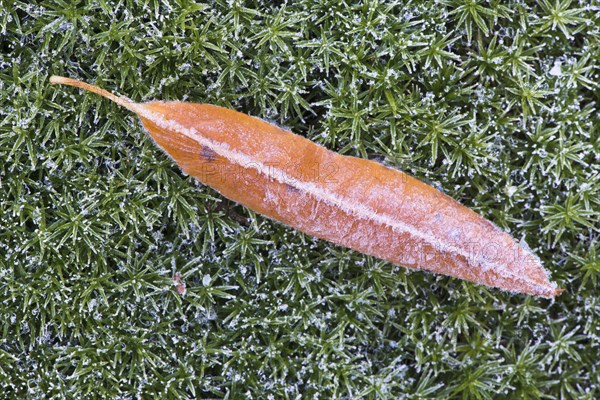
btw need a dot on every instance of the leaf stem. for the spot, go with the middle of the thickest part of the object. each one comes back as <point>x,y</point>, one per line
<point>120,100</point>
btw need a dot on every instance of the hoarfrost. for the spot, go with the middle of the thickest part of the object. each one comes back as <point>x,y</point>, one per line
<point>555,70</point>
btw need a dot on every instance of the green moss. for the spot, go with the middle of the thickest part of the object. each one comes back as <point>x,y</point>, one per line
<point>494,102</point>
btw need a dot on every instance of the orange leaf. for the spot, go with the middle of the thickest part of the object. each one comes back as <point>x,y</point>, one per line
<point>349,201</point>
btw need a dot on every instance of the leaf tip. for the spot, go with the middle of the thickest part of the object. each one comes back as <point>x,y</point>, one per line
<point>57,80</point>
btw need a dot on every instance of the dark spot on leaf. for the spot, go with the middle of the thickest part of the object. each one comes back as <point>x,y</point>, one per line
<point>208,154</point>
<point>291,188</point>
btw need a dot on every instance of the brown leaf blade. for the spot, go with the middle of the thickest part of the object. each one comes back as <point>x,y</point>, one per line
<point>349,201</point>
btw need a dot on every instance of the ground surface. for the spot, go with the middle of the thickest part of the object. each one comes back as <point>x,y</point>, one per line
<point>496,103</point>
